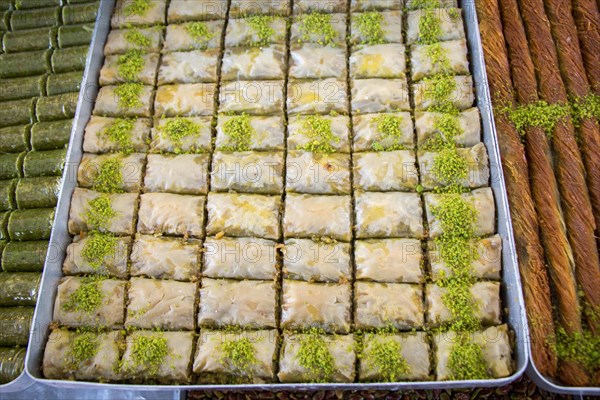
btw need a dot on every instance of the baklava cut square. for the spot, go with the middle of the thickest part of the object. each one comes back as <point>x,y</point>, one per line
<point>246,304</point>
<point>388,305</point>
<point>166,258</point>
<point>389,214</point>
<point>389,260</point>
<point>163,304</point>
<point>386,171</point>
<point>249,215</point>
<point>308,216</point>
<point>90,301</point>
<point>316,261</point>
<point>177,173</point>
<point>247,172</point>
<point>171,214</point>
<point>317,173</point>
<point>325,306</point>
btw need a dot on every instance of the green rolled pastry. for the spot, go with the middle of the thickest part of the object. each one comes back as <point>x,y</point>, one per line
<point>80,13</point>
<point>44,163</point>
<point>39,192</point>
<point>75,35</point>
<point>14,139</point>
<point>51,135</point>
<point>28,40</point>
<point>12,362</point>
<point>22,88</point>
<point>7,194</point>
<point>28,63</point>
<point>64,83</point>
<point>27,4</point>
<point>19,288</point>
<point>52,108</point>
<point>15,323</point>
<point>17,112</point>
<point>4,217</point>
<point>34,224</point>
<point>24,256</point>
<point>36,18</point>
<point>69,59</point>
<point>11,165</point>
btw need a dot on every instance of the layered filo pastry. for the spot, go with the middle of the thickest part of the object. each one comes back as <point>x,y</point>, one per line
<point>213,363</point>
<point>449,20</point>
<point>390,24</point>
<point>120,41</point>
<point>124,16</point>
<point>97,140</point>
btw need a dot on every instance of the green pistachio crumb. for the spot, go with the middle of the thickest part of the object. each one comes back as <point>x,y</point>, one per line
<point>199,32</point>
<point>314,355</point>
<point>150,352</point>
<point>449,167</point>
<point>83,348</point>
<point>466,360</point>
<point>130,64</point>
<point>239,133</point>
<point>100,213</point>
<point>240,353</point>
<point>109,178</point>
<point>430,29</point>
<point>386,356</point>
<point>129,94</point>
<point>177,129</point>
<point>319,25</point>
<point>137,7</point>
<point>98,247</point>
<point>390,129</point>
<point>261,25</point>
<point>137,38</point>
<point>120,132</point>
<point>318,129</point>
<point>369,26</point>
<point>87,298</point>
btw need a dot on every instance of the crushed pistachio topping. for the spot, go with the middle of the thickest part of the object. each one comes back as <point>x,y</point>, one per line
<point>580,347</point>
<point>98,247</point>
<point>150,352</point>
<point>430,29</point>
<point>261,25</point>
<point>129,94</point>
<point>109,178</point>
<point>178,128</point>
<point>87,297</point>
<point>466,360</point>
<point>137,38</point>
<point>318,129</point>
<point>386,356</point>
<point>240,353</point>
<point>319,25</point>
<point>83,348</point>
<point>137,7</point>
<point>130,64</point>
<point>100,213</point>
<point>120,132</point>
<point>390,129</point>
<point>314,355</point>
<point>449,167</point>
<point>369,26</point>
<point>539,114</point>
<point>199,32</point>
<point>239,133</point>
<point>438,55</point>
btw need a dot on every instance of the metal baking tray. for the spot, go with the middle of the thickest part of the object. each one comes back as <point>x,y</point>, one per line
<point>512,294</point>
